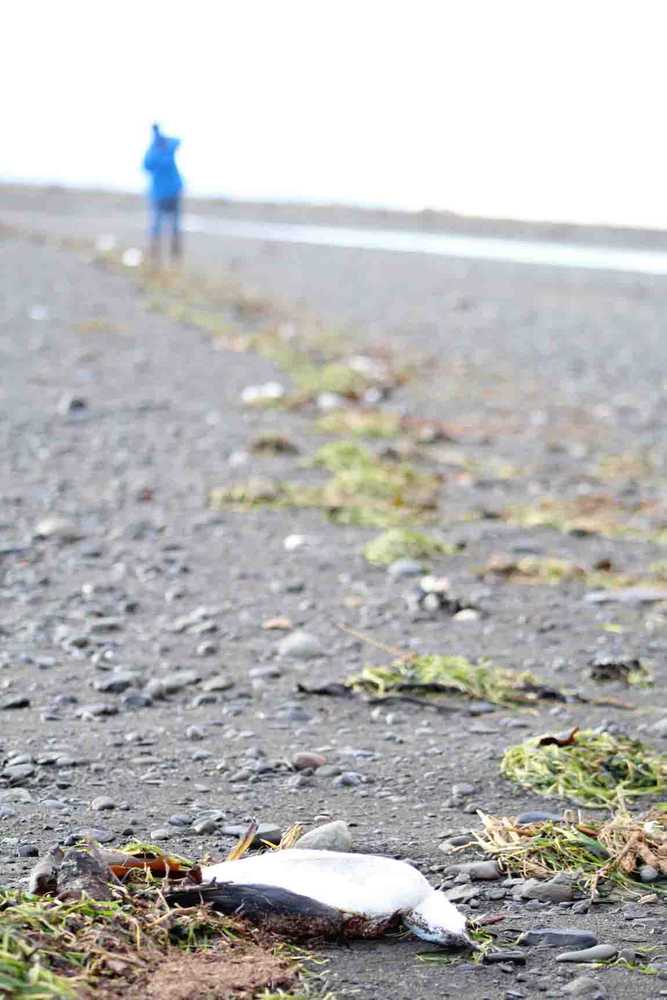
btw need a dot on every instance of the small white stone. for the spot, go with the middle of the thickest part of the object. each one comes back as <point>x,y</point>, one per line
<point>60,528</point>
<point>132,257</point>
<point>327,401</point>
<point>262,393</point>
<point>466,615</point>
<point>105,243</point>
<point>292,542</point>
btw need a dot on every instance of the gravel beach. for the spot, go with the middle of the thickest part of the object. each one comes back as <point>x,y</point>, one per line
<point>154,651</point>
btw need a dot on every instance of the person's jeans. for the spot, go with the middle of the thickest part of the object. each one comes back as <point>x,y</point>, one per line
<point>166,211</point>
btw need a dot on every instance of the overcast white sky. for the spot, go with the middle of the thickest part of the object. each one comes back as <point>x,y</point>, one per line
<point>531,108</point>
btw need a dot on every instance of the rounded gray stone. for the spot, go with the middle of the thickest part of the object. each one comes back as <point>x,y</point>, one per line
<point>268,832</point>
<point>483,871</point>
<point>333,836</point>
<point>62,529</point>
<point>559,937</point>
<point>202,826</point>
<point>405,567</point>
<point>598,953</point>
<point>300,646</point>
<point>101,803</point>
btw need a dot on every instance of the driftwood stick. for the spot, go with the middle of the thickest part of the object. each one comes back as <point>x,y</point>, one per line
<point>392,650</point>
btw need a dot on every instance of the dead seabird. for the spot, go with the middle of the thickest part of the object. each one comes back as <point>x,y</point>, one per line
<point>356,895</point>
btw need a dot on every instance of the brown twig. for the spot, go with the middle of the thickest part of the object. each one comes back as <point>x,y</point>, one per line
<point>392,650</point>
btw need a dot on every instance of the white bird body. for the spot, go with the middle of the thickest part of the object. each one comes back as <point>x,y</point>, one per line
<point>362,885</point>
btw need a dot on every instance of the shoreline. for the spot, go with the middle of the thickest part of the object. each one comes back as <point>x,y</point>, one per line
<point>57,198</point>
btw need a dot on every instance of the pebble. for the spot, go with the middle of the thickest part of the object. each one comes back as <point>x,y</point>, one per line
<point>179,820</point>
<point>162,833</point>
<point>27,851</point>
<point>648,873</point>
<point>302,761</point>
<point>459,840</point>
<point>514,957</point>
<point>484,871</point>
<point>463,893</point>
<point>328,771</point>
<point>466,615</point>
<point>333,836</point>
<point>159,687</point>
<point>405,567</point>
<point>660,727</point>
<point>598,953</point>
<point>195,733</point>
<point>65,760</point>
<point>292,542</point>
<point>102,803</point>
<point>200,826</point>
<point>21,795</point>
<point>207,649</point>
<point>537,816</point>
<point>217,683</point>
<point>96,710</point>
<point>52,804</point>
<point>243,774</point>
<point>18,773</point>
<point>559,937</point>
<point>136,699</point>
<point>627,595</point>
<point>62,529</point>
<point>102,836</point>
<point>584,986</point>
<point>300,646</point>
<point>559,889</point>
<point>265,831</point>
<point>15,701</point>
<point>348,779</point>
<point>70,404</point>
<point>116,683</point>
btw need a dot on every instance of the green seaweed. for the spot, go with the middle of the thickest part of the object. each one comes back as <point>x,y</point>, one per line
<point>363,489</point>
<point>456,675</point>
<point>404,543</point>
<point>592,515</point>
<point>598,854</point>
<point>593,769</point>
<point>361,423</point>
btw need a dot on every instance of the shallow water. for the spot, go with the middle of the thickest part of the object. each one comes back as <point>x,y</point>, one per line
<point>544,253</point>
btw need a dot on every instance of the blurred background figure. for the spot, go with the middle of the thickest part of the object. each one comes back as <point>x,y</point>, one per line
<point>166,186</point>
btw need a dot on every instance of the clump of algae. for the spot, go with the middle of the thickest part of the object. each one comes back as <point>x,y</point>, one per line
<point>335,376</point>
<point>404,543</point>
<point>361,423</point>
<point>552,570</point>
<point>595,515</point>
<point>362,489</point>
<point>591,768</point>
<point>595,852</point>
<point>453,675</point>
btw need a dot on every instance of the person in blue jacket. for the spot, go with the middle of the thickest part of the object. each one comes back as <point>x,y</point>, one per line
<point>166,186</point>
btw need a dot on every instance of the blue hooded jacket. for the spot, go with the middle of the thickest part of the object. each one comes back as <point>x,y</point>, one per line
<point>159,162</point>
